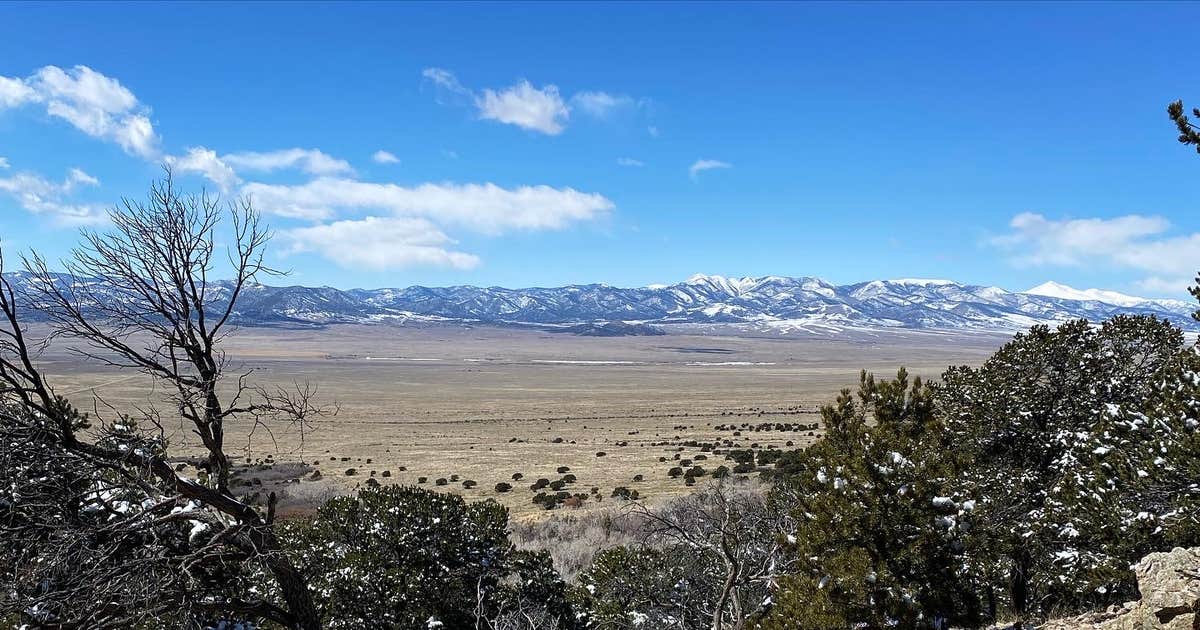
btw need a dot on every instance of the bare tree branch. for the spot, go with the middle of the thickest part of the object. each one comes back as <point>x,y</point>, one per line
<point>142,296</point>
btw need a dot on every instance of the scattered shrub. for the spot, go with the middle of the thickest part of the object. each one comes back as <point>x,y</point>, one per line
<point>398,556</point>
<point>621,492</point>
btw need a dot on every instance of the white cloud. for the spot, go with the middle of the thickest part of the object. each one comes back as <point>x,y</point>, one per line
<point>538,109</point>
<point>446,80</point>
<point>380,244</point>
<point>1073,241</point>
<point>76,176</point>
<point>626,161</point>
<point>220,169</point>
<point>101,107</point>
<point>43,197</point>
<point>599,104</point>
<point>1133,241</point>
<point>485,208</point>
<point>385,157</point>
<point>14,92</point>
<point>1166,286</point>
<point>93,103</point>
<point>205,162</point>
<point>706,165</point>
<point>310,161</point>
<point>3,162</point>
<point>525,106</point>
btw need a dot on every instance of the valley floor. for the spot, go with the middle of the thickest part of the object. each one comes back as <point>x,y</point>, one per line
<point>483,403</point>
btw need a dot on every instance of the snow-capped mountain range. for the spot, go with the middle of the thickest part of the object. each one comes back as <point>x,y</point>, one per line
<point>705,303</point>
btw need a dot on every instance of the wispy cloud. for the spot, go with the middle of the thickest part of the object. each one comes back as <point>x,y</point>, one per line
<point>385,157</point>
<point>101,107</point>
<point>223,170</point>
<point>700,166</point>
<point>446,80</point>
<point>1135,242</point>
<point>404,225</point>
<point>93,103</point>
<point>600,104</point>
<point>486,208</point>
<point>351,222</point>
<point>542,109</point>
<point>311,161</point>
<point>627,161</point>
<point>538,109</point>
<point>380,244</point>
<point>205,162</point>
<point>15,91</point>
<point>44,197</point>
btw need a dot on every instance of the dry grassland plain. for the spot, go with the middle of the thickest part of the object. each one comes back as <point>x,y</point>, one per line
<point>482,403</point>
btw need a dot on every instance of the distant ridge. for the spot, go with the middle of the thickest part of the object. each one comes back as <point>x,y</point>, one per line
<point>1054,289</point>
<point>706,303</point>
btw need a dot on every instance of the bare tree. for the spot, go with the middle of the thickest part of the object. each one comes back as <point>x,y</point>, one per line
<point>741,529</point>
<point>142,296</point>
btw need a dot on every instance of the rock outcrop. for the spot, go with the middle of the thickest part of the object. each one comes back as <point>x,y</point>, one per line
<point>1170,586</point>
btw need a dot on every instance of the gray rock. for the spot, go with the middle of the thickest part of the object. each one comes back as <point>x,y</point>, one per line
<point>1170,586</point>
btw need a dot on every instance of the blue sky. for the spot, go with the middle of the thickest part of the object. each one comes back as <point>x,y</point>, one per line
<point>539,144</point>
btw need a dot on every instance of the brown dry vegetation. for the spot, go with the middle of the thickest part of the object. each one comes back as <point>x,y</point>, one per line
<point>484,403</point>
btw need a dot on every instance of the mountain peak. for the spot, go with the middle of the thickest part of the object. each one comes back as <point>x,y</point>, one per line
<point>923,282</point>
<point>732,286</point>
<point>704,304</point>
<point>1064,292</point>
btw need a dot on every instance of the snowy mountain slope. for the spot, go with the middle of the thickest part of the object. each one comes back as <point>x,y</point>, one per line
<point>770,304</point>
<point>1054,289</point>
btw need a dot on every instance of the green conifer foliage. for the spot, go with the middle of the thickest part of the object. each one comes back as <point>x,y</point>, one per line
<point>1067,434</point>
<point>399,557</point>
<point>879,534</point>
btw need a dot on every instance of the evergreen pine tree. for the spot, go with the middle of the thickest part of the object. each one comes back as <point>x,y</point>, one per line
<point>879,537</point>
<point>1063,456</point>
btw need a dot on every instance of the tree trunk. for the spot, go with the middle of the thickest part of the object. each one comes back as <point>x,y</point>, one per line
<point>261,535</point>
<point>991,599</point>
<point>1020,584</point>
<point>731,571</point>
<point>295,593</point>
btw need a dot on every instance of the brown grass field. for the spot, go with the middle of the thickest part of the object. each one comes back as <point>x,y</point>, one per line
<point>484,402</point>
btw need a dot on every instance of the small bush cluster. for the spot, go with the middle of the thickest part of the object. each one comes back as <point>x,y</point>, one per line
<point>400,557</point>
